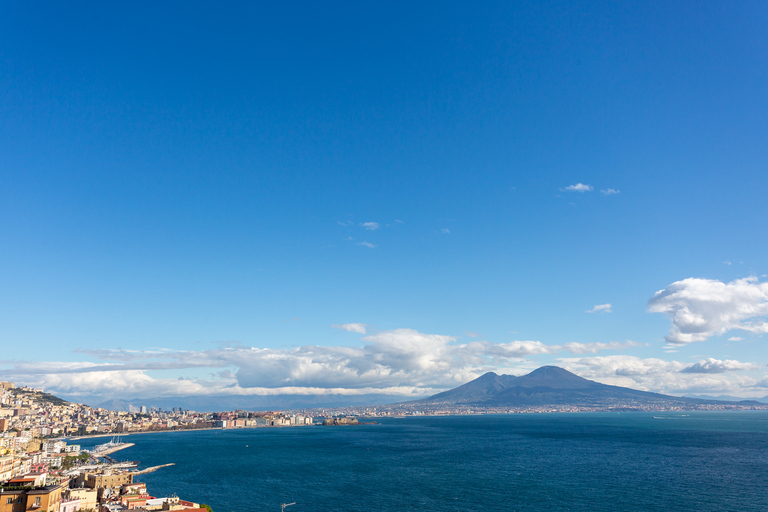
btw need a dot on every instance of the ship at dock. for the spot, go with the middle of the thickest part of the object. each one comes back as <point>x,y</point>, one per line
<point>103,450</point>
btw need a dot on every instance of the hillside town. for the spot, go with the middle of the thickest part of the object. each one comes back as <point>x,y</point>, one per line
<point>40,471</point>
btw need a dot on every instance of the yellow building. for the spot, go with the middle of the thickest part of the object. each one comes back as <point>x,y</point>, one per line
<point>6,465</point>
<point>41,499</point>
<point>102,480</point>
<point>88,498</point>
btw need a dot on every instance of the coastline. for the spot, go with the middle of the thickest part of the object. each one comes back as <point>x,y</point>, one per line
<point>373,419</point>
<point>126,434</point>
<point>168,431</point>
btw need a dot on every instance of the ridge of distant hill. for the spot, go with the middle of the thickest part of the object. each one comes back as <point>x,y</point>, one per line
<point>548,385</point>
<point>728,398</point>
<point>246,403</point>
<point>551,385</point>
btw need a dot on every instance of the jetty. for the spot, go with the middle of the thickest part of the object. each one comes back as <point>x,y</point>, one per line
<point>153,469</point>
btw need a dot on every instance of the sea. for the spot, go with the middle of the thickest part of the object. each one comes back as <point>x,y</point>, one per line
<point>629,461</point>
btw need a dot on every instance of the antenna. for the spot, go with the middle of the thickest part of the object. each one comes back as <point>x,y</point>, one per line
<point>283,505</point>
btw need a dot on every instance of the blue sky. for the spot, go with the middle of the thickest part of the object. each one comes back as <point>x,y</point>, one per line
<point>201,192</point>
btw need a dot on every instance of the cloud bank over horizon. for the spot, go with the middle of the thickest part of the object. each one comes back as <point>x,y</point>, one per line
<point>401,362</point>
<point>409,364</point>
<point>670,377</point>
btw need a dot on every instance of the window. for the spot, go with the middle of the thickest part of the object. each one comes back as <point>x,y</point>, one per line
<point>37,501</point>
<point>8,501</point>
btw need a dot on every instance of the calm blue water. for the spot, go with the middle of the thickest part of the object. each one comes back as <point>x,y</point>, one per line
<point>581,462</point>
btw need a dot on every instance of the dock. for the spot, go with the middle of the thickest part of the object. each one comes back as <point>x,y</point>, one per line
<point>153,468</point>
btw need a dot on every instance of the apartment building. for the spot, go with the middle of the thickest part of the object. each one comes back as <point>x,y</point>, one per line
<point>30,499</point>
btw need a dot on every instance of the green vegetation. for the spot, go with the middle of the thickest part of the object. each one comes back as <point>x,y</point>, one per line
<point>80,431</point>
<point>39,397</point>
<point>206,507</point>
<point>47,397</point>
<point>68,461</point>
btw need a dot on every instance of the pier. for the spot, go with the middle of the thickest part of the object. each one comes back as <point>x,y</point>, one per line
<point>153,468</point>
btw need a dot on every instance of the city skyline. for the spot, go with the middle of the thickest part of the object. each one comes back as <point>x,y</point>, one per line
<point>382,199</point>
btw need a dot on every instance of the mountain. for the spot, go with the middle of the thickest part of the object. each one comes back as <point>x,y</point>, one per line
<point>551,385</point>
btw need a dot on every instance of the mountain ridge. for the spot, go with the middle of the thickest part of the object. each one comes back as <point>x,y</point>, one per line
<point>555,386</point>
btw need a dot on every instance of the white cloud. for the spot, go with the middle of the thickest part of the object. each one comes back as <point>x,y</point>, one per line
<point>137,384</point>
<point>601,308</point>
<point>662,376</point>
<point>367,244</point>
<point>372,226</point>
<point>400,359</point>
<point>445,231</point>
<point>359,328</point>
<point>735,338</point>
<point>124,382</point>
<point>620,365</point>
<point>610,191</point>
<point>579,187</point>
<point>57,367</point>
<point>711,365</point>
<point>593,348</point>
<point>519,349</point>
<point>702,308</point>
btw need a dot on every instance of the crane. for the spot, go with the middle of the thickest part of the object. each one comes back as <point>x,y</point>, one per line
<point>283,505</point>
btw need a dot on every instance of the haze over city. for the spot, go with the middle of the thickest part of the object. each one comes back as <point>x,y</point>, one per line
<point>386,199</point>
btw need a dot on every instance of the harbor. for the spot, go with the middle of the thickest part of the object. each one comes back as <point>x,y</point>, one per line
<point>104,450</point>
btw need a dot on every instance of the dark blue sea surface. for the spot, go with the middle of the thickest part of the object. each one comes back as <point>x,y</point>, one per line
<point>713,461</point>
